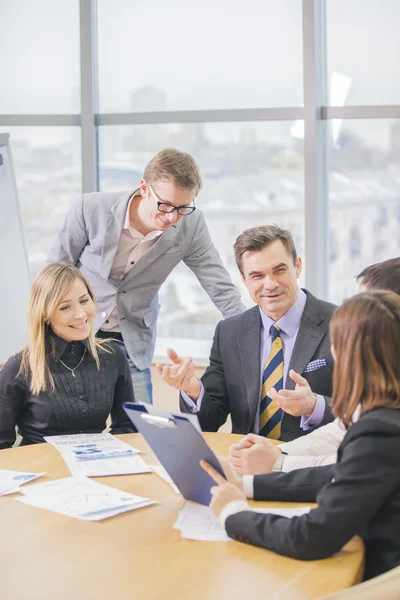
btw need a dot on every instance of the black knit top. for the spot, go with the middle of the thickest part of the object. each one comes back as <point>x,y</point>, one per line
<point>79,404</point>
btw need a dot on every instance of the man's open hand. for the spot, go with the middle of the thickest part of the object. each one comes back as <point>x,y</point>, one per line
<point>180,375</point>
<point>297,402</point>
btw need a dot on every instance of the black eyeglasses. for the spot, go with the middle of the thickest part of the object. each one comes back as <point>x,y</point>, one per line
<point>169,208</point>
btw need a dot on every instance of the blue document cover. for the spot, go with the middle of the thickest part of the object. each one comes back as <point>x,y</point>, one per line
<point>179,447</point>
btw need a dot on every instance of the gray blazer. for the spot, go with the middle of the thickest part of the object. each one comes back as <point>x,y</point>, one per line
<point>232,379</point>
<point>89,239</point>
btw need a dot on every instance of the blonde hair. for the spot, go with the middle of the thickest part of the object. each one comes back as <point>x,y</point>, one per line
<point>174,165</point>
<point>48,288</point>
<point>365,333</point>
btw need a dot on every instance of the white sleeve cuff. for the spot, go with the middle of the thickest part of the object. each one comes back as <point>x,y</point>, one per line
<point>293,462</point>
<point>248,485</point>
<point>232,508</point>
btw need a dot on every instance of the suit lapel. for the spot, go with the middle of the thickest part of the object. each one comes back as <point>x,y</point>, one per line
<point>248,347</point>
<point>162,245</point>
<point>113,228</point>
<point>308,339</point>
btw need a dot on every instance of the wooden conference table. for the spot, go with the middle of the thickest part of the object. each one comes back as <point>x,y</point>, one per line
<point>137,554</point>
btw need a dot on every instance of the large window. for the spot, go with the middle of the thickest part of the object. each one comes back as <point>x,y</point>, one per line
<point>363,163</point>
<point>363,49</point>
<point>39,57</point>
<point>364,199</point>
<point>290,107</point>
<point>176,55</point>
<point>40,76</point>
<point>252,175</point>
<point>47,163</point>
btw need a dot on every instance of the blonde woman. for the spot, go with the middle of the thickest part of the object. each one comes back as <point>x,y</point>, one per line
<point>360,495</point>
<point>65,380</point>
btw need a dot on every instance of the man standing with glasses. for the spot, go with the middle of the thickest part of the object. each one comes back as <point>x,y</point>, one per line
<point>127,244</point>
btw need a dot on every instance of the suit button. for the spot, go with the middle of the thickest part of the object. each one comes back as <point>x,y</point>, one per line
<point>104,314</point>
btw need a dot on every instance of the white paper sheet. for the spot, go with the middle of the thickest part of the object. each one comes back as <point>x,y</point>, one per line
<point>161,472</point>
<point>197,522</point>
<point>98,455</point>
<point>105,441</point>
<point>10,481</point>
<point>82,498</point>
<point>126,465</point>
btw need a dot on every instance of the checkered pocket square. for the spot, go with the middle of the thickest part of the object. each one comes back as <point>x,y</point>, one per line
<point>315,364</point>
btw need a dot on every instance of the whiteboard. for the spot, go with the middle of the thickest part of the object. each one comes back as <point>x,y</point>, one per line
<point>15,281</point>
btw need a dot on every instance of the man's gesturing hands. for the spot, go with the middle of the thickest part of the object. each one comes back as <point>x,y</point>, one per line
<point>180,375</point>
<point>297,402</point>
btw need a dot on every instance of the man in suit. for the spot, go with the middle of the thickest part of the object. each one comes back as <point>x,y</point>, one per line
<point>254,455</point>
<point>246,347</point>
<point>127,244</point>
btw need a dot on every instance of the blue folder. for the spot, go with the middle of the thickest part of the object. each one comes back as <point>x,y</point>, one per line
<point>179,447</point>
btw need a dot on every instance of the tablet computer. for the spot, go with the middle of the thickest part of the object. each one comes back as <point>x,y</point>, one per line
<point>179,446</point>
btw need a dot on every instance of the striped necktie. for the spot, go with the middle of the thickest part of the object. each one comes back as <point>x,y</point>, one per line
<point>270,412</point>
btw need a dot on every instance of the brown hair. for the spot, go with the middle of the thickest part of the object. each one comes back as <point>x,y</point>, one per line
<point>365,333</point>
<point>174,165</point>
<point>382,276</point>
<point>257,238</point>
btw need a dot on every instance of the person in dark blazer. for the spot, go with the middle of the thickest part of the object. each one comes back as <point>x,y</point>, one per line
<point>236,382</point>
<point>254,455</point>
<point>360,495</point>
<point>65,381</point>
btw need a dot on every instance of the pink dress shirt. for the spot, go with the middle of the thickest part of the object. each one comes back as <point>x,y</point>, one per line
<point>132,246</point>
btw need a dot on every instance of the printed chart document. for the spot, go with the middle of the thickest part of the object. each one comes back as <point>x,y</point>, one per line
<point>197,522</point>
<point>10,481</point>
<point>82,498</point>
<point>98,455</point>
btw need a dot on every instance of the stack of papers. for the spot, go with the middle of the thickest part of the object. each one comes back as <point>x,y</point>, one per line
<point>161,472</point>
<point>98,455</point>
<point>197,522</point>
<point>11,480</point>
<point>81,498</point>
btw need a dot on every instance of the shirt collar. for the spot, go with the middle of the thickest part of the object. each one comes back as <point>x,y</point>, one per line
<point>134,232</point>
<point>289,322</point>
<point>57,346</point>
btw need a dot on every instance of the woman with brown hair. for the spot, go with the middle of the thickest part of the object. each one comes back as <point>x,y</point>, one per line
<point>65,380</point>
<point>360,495</point>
